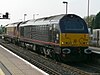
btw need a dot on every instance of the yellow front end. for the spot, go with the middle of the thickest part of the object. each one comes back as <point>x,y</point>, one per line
<point>74,40</point>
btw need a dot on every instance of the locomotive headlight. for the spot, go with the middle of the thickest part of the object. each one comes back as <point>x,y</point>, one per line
<point>62,42</point>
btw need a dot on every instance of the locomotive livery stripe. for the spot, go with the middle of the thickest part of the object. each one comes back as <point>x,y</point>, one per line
<point>74,39</point>
<point>38,41</point>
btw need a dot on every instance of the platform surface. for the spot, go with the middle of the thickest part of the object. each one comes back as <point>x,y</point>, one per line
<point>17,65</point>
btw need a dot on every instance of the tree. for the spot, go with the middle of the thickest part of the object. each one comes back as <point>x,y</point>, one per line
<point>93,23</point>
<point>91,17</point>
<point>96,23</point>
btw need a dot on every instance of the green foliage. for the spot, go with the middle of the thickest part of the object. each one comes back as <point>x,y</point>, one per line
<point>96,24</point>
<point>89,19</point>
<point>93,23</point>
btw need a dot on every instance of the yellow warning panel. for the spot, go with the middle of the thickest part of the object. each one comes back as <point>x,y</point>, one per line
<point>1,72</point>
<point>4,70</point>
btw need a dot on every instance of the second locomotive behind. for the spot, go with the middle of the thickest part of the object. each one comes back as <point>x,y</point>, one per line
<point>63,37</point>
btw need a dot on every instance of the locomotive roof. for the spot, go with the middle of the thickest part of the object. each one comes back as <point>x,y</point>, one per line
<point>45,20</point>
<point>12,24</point>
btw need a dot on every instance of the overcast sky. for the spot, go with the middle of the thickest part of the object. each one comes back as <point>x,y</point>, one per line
<point>17,8</point>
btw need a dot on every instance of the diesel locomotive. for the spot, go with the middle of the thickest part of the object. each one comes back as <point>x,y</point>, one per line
<point>62,37</point>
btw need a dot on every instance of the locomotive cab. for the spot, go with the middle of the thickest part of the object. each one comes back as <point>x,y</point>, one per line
<point>74,36</point>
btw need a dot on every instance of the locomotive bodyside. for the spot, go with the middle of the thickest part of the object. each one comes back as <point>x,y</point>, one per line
<point>66,35</point>
<point>10,32</point>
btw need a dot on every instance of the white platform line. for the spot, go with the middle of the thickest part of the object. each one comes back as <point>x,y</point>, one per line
<point>44,73</point>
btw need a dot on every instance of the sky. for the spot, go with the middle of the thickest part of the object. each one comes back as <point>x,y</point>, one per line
<point>43,8</point>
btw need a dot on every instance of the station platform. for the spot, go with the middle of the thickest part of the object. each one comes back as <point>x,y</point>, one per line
<point>11,64</point>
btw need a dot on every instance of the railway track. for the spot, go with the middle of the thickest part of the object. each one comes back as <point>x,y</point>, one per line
<point>48,65</point>
<point>90,68</point>
<point>21,53</point>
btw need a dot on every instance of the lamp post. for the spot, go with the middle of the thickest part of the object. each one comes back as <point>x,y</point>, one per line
<point>25,16</point>
<point>0,15</point>
<point>66,5</point>
<point>88,12</point>
<point>34,16</point>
